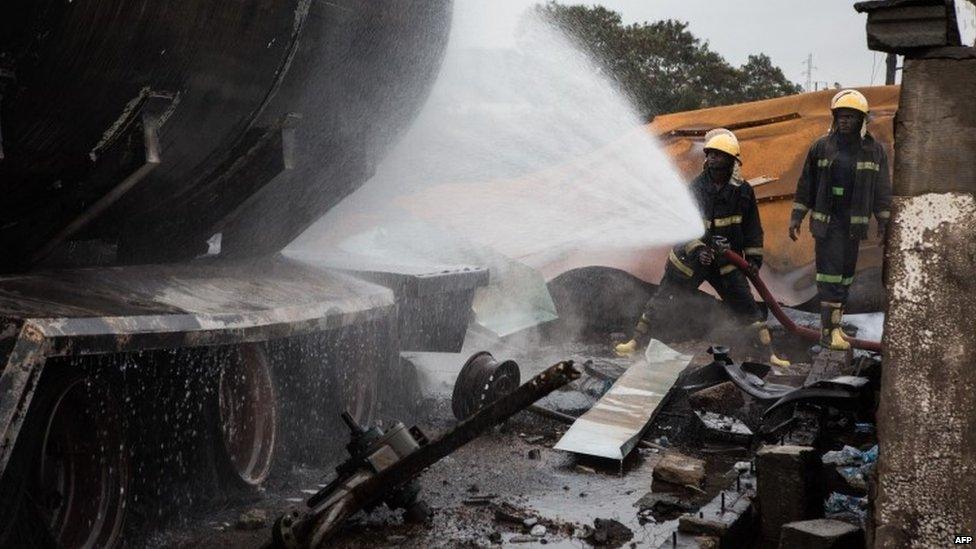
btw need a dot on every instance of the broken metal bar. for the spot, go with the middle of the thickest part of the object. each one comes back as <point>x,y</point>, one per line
<point>317,525</point>
<point>733,127</point>
<point>18,379</point>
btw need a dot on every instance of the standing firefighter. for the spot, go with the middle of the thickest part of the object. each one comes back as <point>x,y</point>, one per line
<point>844,181</point>
<point>728,206</point>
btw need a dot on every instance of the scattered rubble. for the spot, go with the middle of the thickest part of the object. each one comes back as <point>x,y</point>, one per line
<point>608,533</point>
<point>253,519</point>
<point>680,469</point>
<point>506,512</point>
<point>718,427</point>
<point>853,465</point>
<point>822,534</point>
<point>724,398</point>
<point>662,506</point>
<point>851,509</point>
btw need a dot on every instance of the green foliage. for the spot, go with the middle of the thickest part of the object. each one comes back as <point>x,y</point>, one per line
<point>663,65</point>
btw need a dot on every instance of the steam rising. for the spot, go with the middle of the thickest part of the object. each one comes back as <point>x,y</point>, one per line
<point>528,155</point>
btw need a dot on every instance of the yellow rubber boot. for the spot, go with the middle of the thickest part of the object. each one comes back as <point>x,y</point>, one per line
<point>630,348</point>
<point>625,350</point>
<point>832,337</point>
<point>837,341</point>
<point>766,339</point>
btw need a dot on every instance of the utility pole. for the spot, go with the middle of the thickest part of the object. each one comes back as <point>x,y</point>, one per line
<point>809,72</point>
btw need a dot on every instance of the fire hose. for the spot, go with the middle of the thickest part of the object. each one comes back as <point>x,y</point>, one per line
<point>778,312</point>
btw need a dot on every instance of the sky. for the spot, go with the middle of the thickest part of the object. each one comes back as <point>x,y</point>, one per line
<point>785,30</point>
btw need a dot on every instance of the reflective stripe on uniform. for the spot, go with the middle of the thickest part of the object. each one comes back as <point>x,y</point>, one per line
<point>885,214</point>
<point>873,166</point>
<point>859,220</point>
<point>690,247</point>
<point>724,221</point>
<point>821,217</point>
<point>753,251</point>
<point>727,269</point>
<point>838,191</point>
<point>823,163</point>
<point>835,279</point>
<point>800,207</point>
<point>681,266</point>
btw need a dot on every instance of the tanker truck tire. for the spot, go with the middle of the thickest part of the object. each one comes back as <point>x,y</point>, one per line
<point>67,480</point>
<point>247,418</point>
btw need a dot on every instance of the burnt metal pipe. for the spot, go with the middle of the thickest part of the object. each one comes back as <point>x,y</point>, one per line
<point>777,311</point>
<point>316,525</point>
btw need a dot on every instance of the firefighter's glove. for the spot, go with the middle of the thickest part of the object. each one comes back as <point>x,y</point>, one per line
<point>795,228</point>
<point>755,263</point>
<point>706,256</point>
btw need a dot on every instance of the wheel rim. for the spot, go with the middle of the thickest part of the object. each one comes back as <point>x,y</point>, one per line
<point>83,469</point>
<point>248,414</point>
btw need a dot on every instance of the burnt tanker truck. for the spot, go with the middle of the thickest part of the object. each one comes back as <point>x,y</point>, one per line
<point>156,348</point>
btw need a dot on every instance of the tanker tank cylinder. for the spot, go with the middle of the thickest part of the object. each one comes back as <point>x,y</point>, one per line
<point>239,73</point>
<point>7,79</point>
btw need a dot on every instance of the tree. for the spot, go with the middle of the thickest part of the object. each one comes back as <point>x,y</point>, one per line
<point>662,65</point>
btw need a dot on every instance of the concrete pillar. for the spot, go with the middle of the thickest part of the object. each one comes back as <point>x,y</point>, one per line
<point>787,488</point>
<point>927,416</point>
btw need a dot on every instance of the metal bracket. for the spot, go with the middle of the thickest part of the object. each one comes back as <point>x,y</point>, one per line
<point>18,379</point>
<point>146,119</point>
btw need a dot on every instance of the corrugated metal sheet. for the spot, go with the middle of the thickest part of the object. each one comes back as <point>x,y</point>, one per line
<point>613,426</point>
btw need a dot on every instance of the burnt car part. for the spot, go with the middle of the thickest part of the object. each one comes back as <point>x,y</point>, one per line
<point>385,471</point>
<point>749,377</point>
<point>482,380</point>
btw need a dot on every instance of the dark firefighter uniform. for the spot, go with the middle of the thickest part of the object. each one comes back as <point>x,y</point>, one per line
<point>729,211</point>
<point>845,181</point>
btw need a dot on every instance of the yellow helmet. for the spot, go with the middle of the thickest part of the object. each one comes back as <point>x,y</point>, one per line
<point>850,99</point>
<point>721,139</point>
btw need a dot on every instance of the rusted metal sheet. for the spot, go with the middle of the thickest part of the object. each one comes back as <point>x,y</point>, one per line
<point>612,428</point>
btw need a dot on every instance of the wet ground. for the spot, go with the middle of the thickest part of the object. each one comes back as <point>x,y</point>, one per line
<point>512,467</point>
